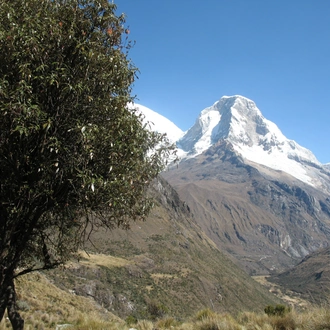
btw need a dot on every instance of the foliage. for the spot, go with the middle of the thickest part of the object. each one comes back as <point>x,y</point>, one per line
<point>131,320</point>
<point>156,310</point>
<point>73,157</point>
<point>279,310</point>
<point>50,306</point>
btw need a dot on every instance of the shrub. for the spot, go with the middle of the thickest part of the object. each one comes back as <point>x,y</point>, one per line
<point>278,310</point>
<point>269,310</point>
<point>23,305</point>
<point>131,320</point>
<point>156,310</point>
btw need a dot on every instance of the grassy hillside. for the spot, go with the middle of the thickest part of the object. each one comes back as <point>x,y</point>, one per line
<point>45,306</point>
<point>164,266</point>
<point>310,278</point>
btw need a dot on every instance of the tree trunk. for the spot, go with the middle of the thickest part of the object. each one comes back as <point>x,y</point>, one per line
<point>3,302</point>
<point>3,292</point>
<point>16,320</point>
<point>8,300</point>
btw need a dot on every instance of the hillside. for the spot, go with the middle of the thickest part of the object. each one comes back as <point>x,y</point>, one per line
<point>45,306</point>
<point>310,278</point>
<point>266,219</point>
<point>165,265</point>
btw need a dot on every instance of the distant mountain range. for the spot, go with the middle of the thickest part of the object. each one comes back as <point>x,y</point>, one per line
<point>259,196</point>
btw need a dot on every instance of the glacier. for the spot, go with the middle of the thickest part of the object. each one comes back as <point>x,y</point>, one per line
<point>238,120</point>
<point>159,123</point>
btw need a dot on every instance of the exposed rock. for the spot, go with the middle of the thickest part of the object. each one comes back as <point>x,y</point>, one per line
<point>264,218</point>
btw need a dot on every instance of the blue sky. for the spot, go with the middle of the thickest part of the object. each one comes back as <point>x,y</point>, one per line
<point>276,52</point>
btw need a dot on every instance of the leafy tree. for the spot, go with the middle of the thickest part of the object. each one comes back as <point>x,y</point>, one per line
<point>72,155</point>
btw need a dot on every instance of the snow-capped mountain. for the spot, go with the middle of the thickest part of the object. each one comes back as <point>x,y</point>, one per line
<point>239,121</point>
<point>256,193</point>
<point>159,123</point>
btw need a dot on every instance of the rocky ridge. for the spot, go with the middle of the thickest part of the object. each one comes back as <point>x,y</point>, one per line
<point>258,195</point>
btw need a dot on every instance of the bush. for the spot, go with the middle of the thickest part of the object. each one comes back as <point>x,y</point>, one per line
<point>23,305</point>
<point>278,310</point>
<point>156,310</point>
<point>131,320</point>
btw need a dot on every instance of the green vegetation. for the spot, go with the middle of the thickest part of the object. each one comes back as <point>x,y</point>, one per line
<point>182,273</point>
<point>73,157</point>
<point>49,307</point>
<point>278,310</point>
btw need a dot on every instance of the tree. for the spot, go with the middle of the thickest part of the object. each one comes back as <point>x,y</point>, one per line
<point>72,155</point>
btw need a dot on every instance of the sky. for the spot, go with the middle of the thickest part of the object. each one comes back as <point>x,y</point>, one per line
<point>275,52</point>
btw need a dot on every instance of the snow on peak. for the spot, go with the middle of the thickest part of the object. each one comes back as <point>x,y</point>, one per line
<point>238,120</point>
<point>159,123</point>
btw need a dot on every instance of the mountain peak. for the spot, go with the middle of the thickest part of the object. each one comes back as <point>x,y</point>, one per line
<point>237,99</point>
<point>242,104</point>
<point>237,120</point>
<point>231,117</point>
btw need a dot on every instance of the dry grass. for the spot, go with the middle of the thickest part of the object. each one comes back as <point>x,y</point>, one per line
<point>44,306</point>
<point>289,297</point>
<point>103,260</point>
<point>317,318</point>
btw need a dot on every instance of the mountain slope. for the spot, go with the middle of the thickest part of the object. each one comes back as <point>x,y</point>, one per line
<point>268,222</point>
<point>166,263</point>
<point>256,194</point>
<point>310,278</point>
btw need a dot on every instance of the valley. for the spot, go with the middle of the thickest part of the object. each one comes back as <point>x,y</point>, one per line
<point>166,261</point>
<point>220,217</point>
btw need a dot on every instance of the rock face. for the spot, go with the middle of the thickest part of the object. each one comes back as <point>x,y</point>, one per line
<point>237,120</point>
<point>266,219</point>
<point>258,195</point>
